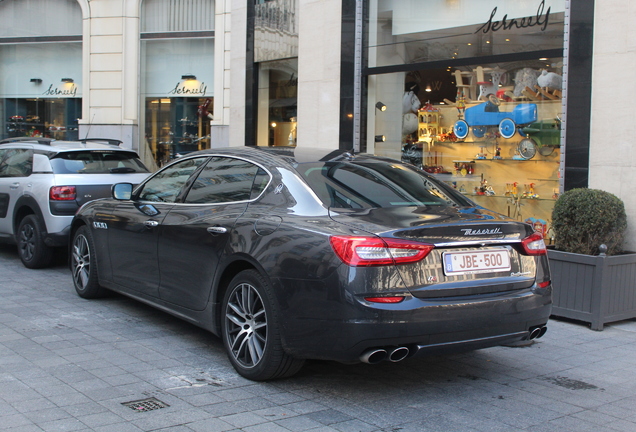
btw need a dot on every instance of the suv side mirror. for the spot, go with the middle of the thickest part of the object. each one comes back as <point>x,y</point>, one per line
<point>41,164</point>
<point>122,191</point>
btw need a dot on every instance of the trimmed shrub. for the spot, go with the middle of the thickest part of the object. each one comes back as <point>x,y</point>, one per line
<point>583,219</point>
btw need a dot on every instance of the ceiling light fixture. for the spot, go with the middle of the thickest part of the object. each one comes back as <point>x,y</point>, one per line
<point>380,106</point>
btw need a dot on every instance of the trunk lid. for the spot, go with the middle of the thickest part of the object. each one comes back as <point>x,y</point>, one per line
<point>466,240</point>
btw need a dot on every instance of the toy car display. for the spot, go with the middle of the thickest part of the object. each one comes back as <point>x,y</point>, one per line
<point>487,114</point>
<point>545,135</point>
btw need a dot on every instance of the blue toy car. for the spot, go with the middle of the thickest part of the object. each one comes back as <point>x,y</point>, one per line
<point>487,114</point>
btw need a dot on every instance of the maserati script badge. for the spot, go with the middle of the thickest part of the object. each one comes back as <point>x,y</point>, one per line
<point>473,232</point>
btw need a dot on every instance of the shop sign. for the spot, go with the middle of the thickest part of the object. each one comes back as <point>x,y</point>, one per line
<point>67,90</point>
<point>182,89</point>
<point>415,16</point>
<point>541,19</point>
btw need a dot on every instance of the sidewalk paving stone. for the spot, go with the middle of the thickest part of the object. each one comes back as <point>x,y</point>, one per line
<point>68,364</point>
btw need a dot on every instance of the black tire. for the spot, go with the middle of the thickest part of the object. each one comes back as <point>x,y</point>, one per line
<point>84,265</point>
<point>33,252</point>
<point>251,332</point>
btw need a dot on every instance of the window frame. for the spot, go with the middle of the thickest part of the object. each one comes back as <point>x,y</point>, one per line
<point>252,198</point>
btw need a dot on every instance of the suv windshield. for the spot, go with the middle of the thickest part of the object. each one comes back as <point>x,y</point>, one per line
<point>364,184</point>
<point>97,162</point>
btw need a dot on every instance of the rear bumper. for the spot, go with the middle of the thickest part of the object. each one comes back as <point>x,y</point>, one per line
<point>424,326</point>
<point>58,239</point>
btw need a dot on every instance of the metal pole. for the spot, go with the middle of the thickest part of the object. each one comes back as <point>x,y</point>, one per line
<point>357,79</point>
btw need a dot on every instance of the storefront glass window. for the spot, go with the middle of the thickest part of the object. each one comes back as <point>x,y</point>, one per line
<point>471,91</point>
<point>177,90</point>
<point>276,56</point>
<point>177,70</point>
<point>277,98</point>
<point>40,68</point>
<point>39,101</point>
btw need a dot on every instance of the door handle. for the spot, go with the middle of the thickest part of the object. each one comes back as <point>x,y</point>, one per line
<point>15,185</point>
<point>151,223</point>
<point>216,230</point>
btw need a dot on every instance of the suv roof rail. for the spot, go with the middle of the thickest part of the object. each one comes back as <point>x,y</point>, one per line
<point>110,141</point>
<point>39,140</point>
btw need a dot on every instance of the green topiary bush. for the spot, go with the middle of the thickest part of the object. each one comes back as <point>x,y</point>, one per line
<point>583,219</point>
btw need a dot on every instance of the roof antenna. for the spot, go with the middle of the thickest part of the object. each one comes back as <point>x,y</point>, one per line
<point>89,127</point>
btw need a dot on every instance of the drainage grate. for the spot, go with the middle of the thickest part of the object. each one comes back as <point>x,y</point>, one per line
<point>146,405</point>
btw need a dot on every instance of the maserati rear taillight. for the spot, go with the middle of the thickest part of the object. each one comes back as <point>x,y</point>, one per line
<point>375,251</point>
<point>62,193</point>
<point>534,244</point>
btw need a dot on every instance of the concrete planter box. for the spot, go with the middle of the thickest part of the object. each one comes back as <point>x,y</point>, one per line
<point>593,289</point>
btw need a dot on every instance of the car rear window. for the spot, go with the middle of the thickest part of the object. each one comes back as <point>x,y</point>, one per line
<point>97,162</point>
<point>376,184</point>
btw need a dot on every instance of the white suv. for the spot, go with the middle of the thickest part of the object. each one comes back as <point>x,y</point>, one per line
<point>44,181</point>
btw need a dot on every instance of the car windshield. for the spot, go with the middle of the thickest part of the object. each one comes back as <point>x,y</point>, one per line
<point>97,162</point>
<point>373,184</point>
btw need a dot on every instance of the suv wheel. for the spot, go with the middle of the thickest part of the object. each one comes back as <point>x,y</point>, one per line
<point>31,248</point>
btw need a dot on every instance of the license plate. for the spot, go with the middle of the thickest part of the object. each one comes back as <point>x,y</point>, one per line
<point>486,261</point>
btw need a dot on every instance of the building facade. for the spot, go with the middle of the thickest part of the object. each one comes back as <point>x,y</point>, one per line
<point>149,73</point>
<point>511,102</point>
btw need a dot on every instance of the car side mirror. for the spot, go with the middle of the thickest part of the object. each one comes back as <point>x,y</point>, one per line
<point>41,164</point>
<point>122,191</point>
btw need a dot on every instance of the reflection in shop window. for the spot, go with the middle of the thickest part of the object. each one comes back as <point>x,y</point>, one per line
<point>177,126</point>
<point>277,103</point>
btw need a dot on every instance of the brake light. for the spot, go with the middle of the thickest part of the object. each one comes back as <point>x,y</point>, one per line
<point>534,244</point>
<point>375,251</point>
<point>62,193</point>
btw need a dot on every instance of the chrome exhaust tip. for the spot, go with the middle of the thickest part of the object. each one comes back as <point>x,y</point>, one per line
<point>398,354</point>
<point>373,356</point>
<point>534,333</point>
<point>543,330</point>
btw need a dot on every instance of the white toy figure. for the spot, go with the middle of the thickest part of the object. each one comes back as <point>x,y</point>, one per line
<point>410,102</point>
<point>549,80</point>
<point>525,77</point>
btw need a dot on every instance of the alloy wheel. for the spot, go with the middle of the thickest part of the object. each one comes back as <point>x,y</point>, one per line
<point>246,325</point>
<point>27,242</point>
<point>81,262</point>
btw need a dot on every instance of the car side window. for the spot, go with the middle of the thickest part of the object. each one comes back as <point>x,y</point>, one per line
<point>3,166</point>
<point>223,180</point>
<point>16,162</point>
<point>166,185</point>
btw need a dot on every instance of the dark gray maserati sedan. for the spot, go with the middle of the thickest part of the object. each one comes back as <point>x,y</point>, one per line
<point>290,254</point>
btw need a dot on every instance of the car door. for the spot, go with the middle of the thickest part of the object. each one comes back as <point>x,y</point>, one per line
<point>15,168</point>
<point>194,233</point>
<point>134,228</point>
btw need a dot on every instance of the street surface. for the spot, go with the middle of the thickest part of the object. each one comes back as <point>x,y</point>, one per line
<point>68,364</point>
